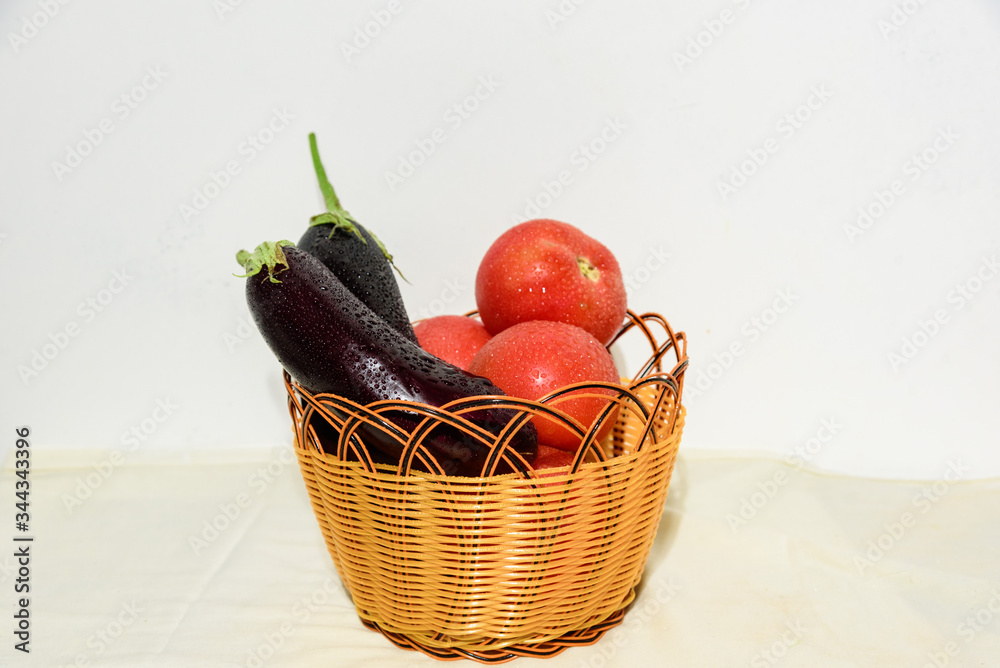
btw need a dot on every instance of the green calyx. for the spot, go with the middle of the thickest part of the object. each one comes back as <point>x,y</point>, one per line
<point>335,214</point>
<point>385,252</point>
<point>266,255</point>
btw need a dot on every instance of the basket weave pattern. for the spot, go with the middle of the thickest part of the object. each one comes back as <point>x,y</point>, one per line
<point>498,566</point>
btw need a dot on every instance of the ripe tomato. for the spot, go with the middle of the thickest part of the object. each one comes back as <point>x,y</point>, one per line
<point>453,338</point>
<point>531,359</point>
<point>551,458</point>
<point>548,270</point>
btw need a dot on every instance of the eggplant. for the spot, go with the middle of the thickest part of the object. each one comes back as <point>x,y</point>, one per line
<point>355,255</point>
<point>329,341</point>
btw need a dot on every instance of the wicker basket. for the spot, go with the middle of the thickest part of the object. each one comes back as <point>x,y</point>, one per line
<point>499,566</point>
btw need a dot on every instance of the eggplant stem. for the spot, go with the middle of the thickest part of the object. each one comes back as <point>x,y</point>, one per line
<point>335,214</point>
<point>329,194</point>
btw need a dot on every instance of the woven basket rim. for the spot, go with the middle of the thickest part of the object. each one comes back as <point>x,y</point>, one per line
<point>651,373</point>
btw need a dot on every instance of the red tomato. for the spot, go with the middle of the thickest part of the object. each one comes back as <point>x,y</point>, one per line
<point>532,359</point>
<point>547,270</point>
<point>551,458</point>
<point>453,338</point>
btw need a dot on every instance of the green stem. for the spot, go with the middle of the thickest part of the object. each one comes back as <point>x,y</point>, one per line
<point>332,202</point>
<point>335,214</point>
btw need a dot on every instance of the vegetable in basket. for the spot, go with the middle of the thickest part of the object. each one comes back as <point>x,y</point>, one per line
<point>329,341</point>
<point>354,255</point>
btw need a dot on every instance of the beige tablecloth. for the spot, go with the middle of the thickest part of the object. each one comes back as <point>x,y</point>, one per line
<point>215,559</point>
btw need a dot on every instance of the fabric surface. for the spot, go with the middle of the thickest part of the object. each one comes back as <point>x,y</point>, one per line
<point>215,559</point>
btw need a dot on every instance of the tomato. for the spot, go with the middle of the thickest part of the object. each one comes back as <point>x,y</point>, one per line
<point>551,458</point>
<point>549,270</point>
<point>531,359</point>
<point>453,338</point>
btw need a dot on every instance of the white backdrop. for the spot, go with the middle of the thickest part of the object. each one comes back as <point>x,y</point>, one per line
<point>807,189</point>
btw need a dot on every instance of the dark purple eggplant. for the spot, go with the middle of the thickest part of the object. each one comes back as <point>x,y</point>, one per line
<point>330,342</point>
<point>355,255</point>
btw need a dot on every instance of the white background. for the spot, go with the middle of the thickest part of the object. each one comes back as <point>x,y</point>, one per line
<point>882,93</point>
